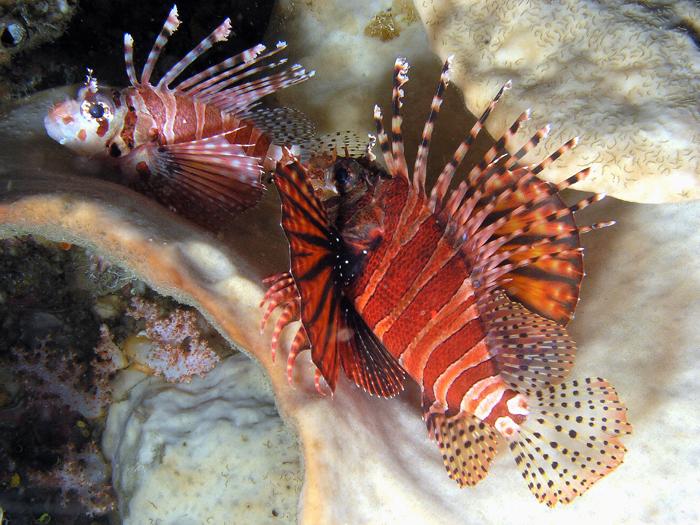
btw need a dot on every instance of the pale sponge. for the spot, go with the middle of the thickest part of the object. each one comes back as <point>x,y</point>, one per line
<point>624,76</point>
<point>213,449</point>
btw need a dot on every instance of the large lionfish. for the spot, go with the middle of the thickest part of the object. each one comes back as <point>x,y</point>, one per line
<point>197,147</point>
<point>466,291</point>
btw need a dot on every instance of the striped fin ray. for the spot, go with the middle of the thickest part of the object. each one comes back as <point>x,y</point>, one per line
<point>220,89</point>
<point>511,216</point>
<point>237,98</point>
<point>397,152</point>
<point>224,69</point>
<point>439,191</point>
<point>383,140</point>
<point>500,151</point>
<point>129,59</point>
<point>222,84</point>
<point>571,439</point>
<point>208,180</point>
<point>468,445</point>
<point>337,334</point>
<point>421,165</point>
<point>219,34</point>
<point>531,352</point>
<point>169,27</point>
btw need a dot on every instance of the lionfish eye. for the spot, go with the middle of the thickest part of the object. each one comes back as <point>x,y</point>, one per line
<point>97,110</point>
<point>341,175</point>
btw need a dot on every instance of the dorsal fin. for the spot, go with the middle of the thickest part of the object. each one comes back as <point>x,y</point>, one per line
<point>513,228</point>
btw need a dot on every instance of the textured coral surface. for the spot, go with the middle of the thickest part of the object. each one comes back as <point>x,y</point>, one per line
<point>625,76</point>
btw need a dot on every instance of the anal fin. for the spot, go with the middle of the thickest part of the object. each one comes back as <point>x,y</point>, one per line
<point>468,445</point>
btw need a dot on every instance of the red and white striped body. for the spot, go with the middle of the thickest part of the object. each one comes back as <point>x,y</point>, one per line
<point>155,117</point>
<point>424,310</point>
<point>197,145</point>
<point>466,291</point>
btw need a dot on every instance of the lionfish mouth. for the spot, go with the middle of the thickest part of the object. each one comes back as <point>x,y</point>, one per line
<point>58,121</point>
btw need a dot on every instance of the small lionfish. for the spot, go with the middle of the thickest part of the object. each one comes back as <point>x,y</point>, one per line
<point>467,291</point>
<point>198,147</point>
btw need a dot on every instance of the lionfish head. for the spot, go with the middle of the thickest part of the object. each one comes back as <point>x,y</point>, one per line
<point>87,123</point>
<point>344,172</point>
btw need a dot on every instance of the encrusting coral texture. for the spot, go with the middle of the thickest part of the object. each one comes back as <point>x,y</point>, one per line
<point>624,76</point>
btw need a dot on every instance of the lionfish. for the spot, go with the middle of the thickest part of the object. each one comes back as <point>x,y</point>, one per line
<point>467,291</point>
<point>198,146</point>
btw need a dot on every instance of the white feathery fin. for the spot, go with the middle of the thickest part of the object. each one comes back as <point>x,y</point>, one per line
<point>570,439</point>
<point>467,444</point>
<point>531,352</point>
<point>219,34</point>
<point>169,27</point>
<point>421,165</point>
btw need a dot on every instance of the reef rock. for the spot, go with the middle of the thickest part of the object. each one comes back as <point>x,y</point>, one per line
<point>368,460</point>
<point>624,76</point>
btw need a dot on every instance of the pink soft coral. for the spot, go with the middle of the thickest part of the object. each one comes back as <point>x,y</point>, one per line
<point>178,350</point>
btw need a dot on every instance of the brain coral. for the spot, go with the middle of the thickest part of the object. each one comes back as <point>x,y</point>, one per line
<point>625,76</point>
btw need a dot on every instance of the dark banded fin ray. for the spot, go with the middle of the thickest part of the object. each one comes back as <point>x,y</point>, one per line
<point>531,352</point>
<point>337,335</point>
<point>467,444</point>
<point>519,221</point>
<point>169,27</point>
<point>219,34</point>
<point>129,59</point>
<point>439,190</point>
<point>421,165</point>
<point>397,151</point>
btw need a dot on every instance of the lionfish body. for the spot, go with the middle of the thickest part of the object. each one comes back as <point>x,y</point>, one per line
<point>197,147</point>
<point>465,291</point>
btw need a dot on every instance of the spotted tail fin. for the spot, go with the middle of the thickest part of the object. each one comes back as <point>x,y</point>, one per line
<point>337,335</point>
<point>571,439</point>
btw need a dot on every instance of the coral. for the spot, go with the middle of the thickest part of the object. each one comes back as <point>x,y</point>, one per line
<point>48,449</point>
<point>368,460</point>
<point>625,76</point>
<point>55,374</point>
<point>329,37</point>
<point>178,350</point>
<point>214,450</point>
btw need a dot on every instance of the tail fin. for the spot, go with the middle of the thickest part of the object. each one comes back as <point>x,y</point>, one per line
<point>570,440</point>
